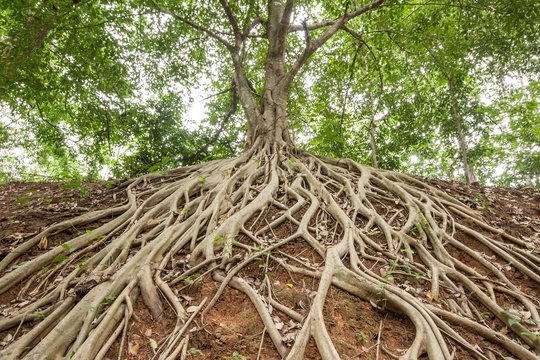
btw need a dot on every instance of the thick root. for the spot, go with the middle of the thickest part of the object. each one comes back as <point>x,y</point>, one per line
<point>209,223</point>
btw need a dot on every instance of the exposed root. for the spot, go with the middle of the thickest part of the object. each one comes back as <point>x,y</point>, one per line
<point>376,232</point>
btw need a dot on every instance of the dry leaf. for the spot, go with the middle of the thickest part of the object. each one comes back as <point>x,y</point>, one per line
<point>133,350</point>
<point>42,243</point>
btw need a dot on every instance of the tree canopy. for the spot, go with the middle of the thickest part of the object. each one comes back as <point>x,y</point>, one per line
<point>88,85</point>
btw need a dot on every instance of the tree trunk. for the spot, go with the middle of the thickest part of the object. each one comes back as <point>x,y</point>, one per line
<point>372,128</point>
<point>267,121</point>
<point>463,150</point>
<point>372,143</point>
<point>462,142</point>
<point>272,124</point>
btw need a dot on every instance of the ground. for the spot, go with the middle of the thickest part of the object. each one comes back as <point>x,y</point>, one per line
<point>232,328</point>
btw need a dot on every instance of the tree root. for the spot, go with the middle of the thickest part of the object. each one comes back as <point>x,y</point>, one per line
<point>213,218</point>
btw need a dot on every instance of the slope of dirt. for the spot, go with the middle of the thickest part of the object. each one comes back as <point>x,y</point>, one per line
<point>232,329</point>
<point>28,208</point>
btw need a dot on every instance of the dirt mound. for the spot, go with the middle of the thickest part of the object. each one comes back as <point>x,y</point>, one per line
<point>232,328</point>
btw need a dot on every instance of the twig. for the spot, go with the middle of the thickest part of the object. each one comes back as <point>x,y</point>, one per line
<point>261,343</point>
<point>123,334</point>
<point>379,338</point>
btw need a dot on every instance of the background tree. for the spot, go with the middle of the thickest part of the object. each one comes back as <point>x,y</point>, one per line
<point>392,54</point>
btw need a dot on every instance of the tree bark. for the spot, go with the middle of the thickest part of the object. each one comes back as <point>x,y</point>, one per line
<point>268,119</point>
<point>372,142</point>
<point>462,142</point>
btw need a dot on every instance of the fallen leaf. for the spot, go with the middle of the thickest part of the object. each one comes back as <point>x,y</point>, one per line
<point>42,243</point>
<point>134,349</point>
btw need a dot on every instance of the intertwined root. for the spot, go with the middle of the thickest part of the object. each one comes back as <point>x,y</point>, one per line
<point>387,228</point>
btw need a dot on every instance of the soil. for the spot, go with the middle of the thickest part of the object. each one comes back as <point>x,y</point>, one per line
<point>232,330</point>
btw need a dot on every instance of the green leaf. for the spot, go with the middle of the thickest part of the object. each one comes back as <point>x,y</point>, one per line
<point>512,321</point>
<point>407,251</point>
<point>60,258</point>
<point>19,265</point>
<point>22,200</point>
<point>153,344</point>
<point>512,313</point>
<point>194,351</point>
<point>71,185</point>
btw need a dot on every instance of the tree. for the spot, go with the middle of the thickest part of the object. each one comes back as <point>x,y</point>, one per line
<point>204,210</point>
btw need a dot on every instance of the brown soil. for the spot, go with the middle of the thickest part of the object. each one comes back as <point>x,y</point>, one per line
<point>232,329</point>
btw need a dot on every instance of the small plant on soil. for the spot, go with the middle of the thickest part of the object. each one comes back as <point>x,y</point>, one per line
<point>362,337</point>
<point>194,351</point>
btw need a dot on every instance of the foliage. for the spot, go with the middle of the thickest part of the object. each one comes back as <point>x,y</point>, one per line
<point>88,86</point>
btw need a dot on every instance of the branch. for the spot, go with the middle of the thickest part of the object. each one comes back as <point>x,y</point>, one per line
<point>363,9</point>
<point>45,120</point>
<point>295,28</point>
<point>232,20</point>
<point>108,131</point>
<point>324,37</point>
<point>359,38</point>
<point>286,18</point>
<point>217,94</point>
<point>307,34</point>
<point>195,26</point>
<point>250,27</point>
<point>438,4</point>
